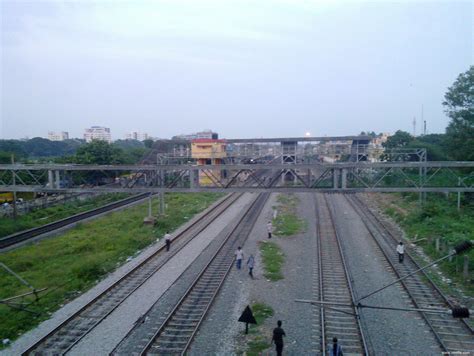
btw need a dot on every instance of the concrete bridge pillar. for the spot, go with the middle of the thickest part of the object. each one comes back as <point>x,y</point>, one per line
<point>50,179</point>
<point>335,178</point>
<point>343,178</point>
<point>57,180</point>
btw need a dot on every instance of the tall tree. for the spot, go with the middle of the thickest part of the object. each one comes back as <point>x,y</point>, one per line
<point>398,140</point>
<point>459,106</point>
<point>99,152</point>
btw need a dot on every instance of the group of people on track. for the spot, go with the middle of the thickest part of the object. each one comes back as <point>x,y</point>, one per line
<point>335,349</point>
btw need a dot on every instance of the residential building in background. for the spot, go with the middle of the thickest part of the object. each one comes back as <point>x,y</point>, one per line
<point>208,134</point>
<point>97,133</point>
<point>58,136</point>
<point>134,135</point>
<point>380,139</point>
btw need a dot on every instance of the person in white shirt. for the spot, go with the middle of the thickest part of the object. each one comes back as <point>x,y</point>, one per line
<point>401,251</point>
<point>269,229</point>
<point>168,240</point>
<point>239,256</point>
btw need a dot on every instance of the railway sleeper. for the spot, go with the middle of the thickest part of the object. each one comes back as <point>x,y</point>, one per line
<point>444,326</point>
<point>463,342</point>
<point>461,336</point>
<point>188,315</point>
<point>162,350</point>
<point>177,334</point>
<point>170,342</point>
<point>345,325</point>
<point>209,282</point>
<point>193,320</point>
<point>177,324</point>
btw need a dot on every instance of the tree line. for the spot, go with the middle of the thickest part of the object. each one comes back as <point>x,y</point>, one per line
<point>456,144</point>
<point>74,151</point>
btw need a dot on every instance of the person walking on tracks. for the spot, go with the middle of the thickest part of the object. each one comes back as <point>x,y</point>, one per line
<point>168,240</point>
<point>401,252</point>
<point>250,264</point>
<point>335,349</point>
<point>269,229</point>
<point>277,338</point>
<point>239,255</point>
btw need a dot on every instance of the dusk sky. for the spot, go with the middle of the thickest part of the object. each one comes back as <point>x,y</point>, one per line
<point>241,68</point>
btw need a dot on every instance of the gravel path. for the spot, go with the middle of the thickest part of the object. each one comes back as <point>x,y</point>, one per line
<point>240,290</point>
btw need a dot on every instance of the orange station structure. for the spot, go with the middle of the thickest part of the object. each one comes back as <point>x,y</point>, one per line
<point>208,151</point>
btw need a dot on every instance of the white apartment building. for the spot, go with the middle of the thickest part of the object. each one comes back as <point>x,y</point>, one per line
<point>97,133</point>
<point>135,135</point>
<point>58,136</point>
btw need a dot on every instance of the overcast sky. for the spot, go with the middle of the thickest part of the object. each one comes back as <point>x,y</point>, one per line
<point>241,68</point>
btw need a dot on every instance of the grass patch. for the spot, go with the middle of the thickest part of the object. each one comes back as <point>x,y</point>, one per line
<point>438,218</point>
<point>273,259</point>
<point>258,341</point>
<point>40,217</point>
<point>74,262</point>
<point>287,223</point>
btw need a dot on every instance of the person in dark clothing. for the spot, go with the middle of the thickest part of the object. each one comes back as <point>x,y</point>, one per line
<point>335,349</point>
<point>277,338</point>
<point>250,264</point>
<point>168,240</point>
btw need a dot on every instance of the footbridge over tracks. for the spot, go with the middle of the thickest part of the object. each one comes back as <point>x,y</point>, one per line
<point>271,177</point>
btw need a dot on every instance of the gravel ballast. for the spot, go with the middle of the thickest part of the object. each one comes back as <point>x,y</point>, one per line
<point>105,337</point>
<point>387,332</point>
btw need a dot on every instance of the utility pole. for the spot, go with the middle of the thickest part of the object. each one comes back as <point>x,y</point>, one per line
<point>414,126</point>
<point>14,192</point>
<point>423,120</point>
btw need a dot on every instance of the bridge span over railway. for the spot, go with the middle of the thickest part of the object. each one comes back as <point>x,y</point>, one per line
<point>269,177</point>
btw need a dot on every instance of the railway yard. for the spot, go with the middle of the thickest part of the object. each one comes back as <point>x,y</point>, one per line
<point>188,300</point>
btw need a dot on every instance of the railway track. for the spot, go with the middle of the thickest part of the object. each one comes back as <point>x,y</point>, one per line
<point>22,236</point>
<point>174,334</point>
<point>453,335</point>
<point>333,285</point>
<point>71,331</point>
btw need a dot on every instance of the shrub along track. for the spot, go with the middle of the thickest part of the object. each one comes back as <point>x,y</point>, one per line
<point>453,335</point>
<point>332,284</point>
<point>72,330</point>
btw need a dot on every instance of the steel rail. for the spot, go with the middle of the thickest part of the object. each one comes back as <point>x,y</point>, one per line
<point>213,274</point>
<point>359,344</point>
<point>320,278</point>
<point>22,236</point>
<point>122,288</point>
<point>439,331</point>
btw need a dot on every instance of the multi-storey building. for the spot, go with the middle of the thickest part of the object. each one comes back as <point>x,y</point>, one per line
<point>134,135</point>
<point>97,133</point>
<point>58,136</point>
